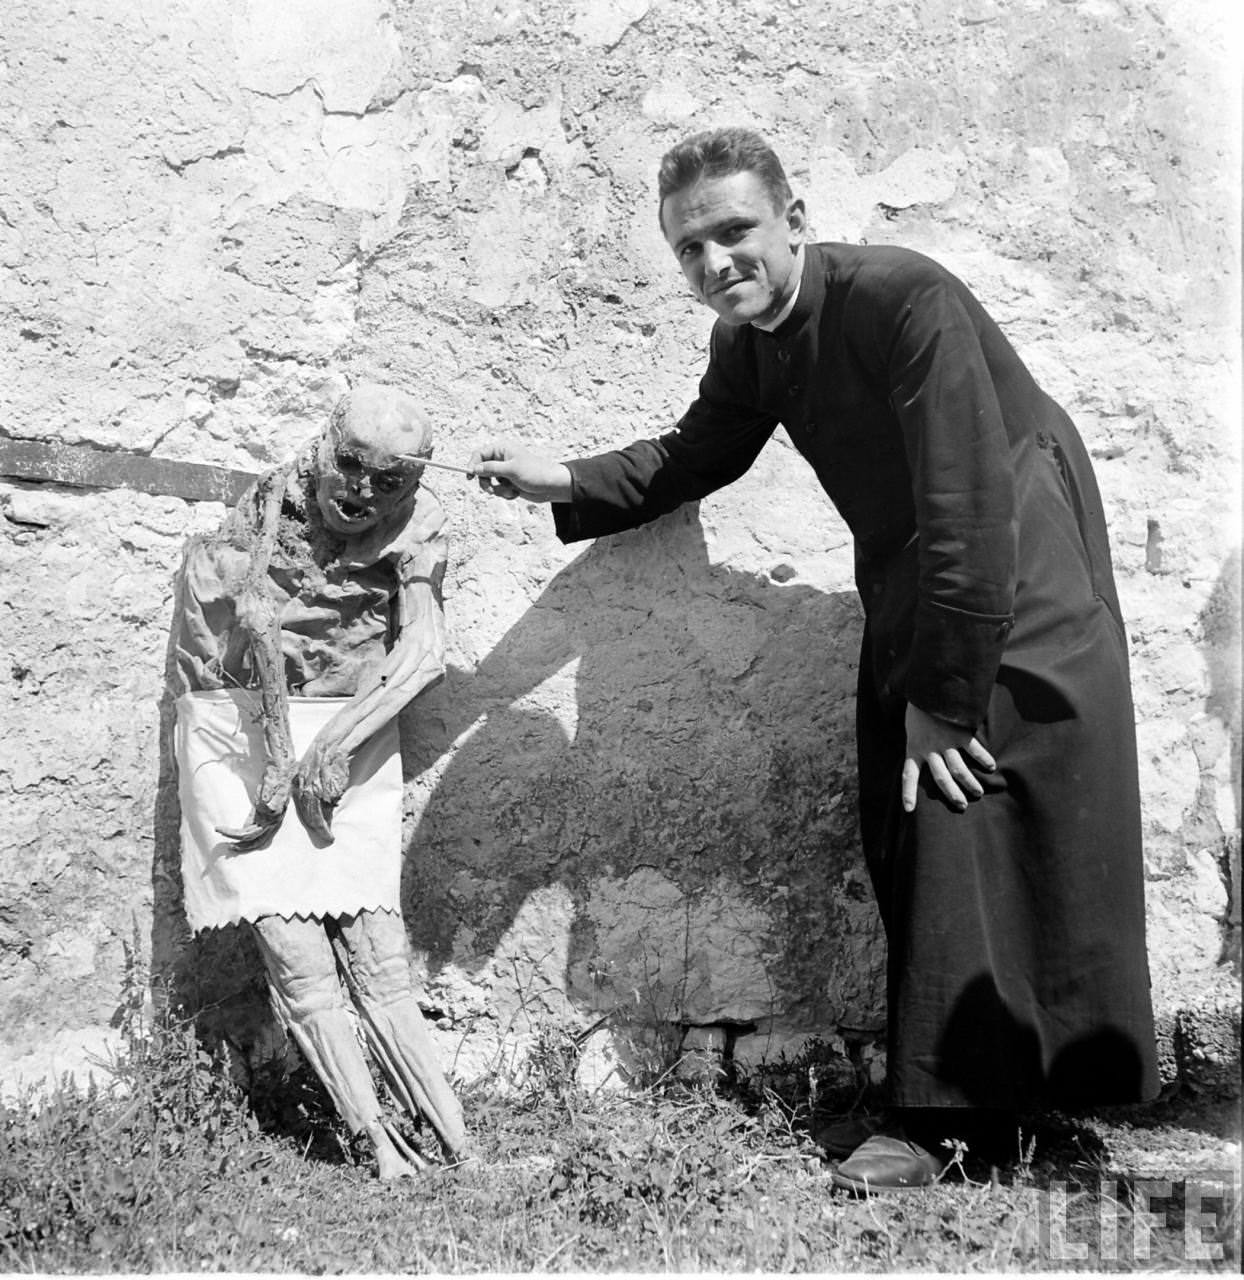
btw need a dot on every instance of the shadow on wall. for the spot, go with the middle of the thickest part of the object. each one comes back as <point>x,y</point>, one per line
<point>216,977</point>
<point>685,853</point>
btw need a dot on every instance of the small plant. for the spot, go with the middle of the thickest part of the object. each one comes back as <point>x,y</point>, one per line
<point>80,1168</point>
<point>551,1067</point>
<point>814,1084</point>
<point>1023,1163</point>
<point>958,1152</point>
<point>166,1166</point>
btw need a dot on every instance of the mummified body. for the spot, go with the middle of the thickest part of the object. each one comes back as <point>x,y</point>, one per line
<point>305,625</point>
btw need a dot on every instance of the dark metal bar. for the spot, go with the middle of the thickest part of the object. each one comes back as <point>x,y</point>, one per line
<point>85,467</point>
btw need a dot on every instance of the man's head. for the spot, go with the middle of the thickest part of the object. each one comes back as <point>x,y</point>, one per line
<point>717,153</point>
<point>727,211</point>
<point>367,462</point>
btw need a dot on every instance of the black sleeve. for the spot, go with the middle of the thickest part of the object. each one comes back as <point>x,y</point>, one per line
<point>714,443</point>
<point>942,390</point>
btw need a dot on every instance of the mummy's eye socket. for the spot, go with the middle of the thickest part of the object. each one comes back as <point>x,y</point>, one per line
<point>388,481</point>
<point>348,462</point>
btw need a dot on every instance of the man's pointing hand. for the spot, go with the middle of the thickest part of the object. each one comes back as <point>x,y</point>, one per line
<point>506,471</point>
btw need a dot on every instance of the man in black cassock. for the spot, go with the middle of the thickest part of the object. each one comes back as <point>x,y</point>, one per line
<point>999,803</point>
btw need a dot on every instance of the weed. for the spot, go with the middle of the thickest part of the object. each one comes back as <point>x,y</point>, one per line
<point>169,1167</point>
<point>550,1070</point>
<point>81,1168</point>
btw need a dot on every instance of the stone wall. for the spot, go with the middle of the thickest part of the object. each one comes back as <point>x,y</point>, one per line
<point>630,804</point>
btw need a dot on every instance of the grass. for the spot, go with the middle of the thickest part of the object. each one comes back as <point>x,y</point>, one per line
<point>170,1167</point>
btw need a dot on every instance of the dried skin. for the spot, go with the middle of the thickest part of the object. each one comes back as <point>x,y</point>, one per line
<point>276,602</point>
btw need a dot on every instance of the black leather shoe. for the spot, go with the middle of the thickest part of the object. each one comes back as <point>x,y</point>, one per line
<point>839,1138</point>
<point>883,1163</point>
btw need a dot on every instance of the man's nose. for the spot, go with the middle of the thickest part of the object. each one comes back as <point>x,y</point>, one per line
<point>716,259</point>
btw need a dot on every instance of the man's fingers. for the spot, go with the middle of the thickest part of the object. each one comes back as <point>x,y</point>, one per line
<point>949,753</point>
<point>946,784</point>
<point>489,481</point>
<point>489,451</point>
<point>964,776</point>
<point>950,775</point>
<point>504,472</point>
<point>489,465</point>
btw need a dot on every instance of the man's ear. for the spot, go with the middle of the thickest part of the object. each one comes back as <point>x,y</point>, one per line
<point>796,223</point>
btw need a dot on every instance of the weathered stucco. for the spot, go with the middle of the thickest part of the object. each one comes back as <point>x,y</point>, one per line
<point>631,799</point>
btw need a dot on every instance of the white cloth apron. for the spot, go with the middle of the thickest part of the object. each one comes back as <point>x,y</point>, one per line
<point>220,755</point>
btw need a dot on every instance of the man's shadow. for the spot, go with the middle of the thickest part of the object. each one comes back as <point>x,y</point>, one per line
<point>651,807</point>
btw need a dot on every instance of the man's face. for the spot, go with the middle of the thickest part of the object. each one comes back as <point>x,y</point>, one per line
<point>363,480</point>
<point>737,251</point>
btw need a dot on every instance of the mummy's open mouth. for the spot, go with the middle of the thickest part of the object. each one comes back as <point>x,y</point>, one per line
<point>351,510</point>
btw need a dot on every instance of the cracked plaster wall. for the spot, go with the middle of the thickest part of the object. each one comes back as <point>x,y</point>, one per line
<point>632,796</point>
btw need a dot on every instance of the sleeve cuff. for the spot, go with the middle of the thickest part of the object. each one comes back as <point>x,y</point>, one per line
<point>955,658</point>
<point>566,522</point>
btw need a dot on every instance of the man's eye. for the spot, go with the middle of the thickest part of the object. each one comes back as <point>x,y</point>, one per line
<point>388,482</point>
<point>688,251</point>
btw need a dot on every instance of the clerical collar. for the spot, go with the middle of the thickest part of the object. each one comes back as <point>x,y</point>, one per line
<point>769,325</point>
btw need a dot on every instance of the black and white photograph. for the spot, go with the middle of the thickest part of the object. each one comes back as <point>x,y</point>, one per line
<point>621,637</point>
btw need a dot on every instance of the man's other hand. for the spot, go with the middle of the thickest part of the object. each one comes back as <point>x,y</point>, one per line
<point>942,746</point>
<point>506,471</point>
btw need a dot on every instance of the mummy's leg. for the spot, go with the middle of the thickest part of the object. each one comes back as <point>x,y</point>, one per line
<point>379,978</point>
<point>306,996</point>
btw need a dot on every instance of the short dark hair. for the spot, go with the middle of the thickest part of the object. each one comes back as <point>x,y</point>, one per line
<point>717,153</point>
